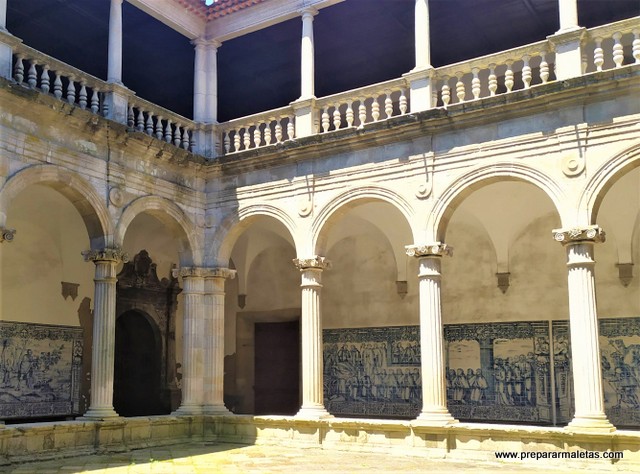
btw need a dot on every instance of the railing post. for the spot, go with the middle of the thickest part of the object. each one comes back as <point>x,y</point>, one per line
<point>205,96</point>
<point>421,77</point>
<point>305,106</point>
<point>117,96</point>
<point>567,41</point>
<point>7,43</point>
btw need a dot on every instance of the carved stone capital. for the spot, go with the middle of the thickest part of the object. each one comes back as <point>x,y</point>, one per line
<point>203,272</point>
<point>318,262</point>
<point>436,249</point>
<point>575,235</point>
<point>7,235</point>
<point>115,254</point>
<point>220,272</point>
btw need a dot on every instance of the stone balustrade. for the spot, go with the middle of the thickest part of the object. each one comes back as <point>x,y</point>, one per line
<point>357,107</point>
<point>612,46</point>
<point>39,71</point>
<point>155,121</point>
<point>255,131</point>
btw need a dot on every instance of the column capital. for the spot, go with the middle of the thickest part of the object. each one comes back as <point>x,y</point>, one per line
<point>436,249</point>
<point>203,272</point>
<point>317,262</point>
<point>204,42</point>
<point>7,235</point>
<point>114,254</point>
<point>220,272</point>
<point>577,235</point>
<point>308,12</point>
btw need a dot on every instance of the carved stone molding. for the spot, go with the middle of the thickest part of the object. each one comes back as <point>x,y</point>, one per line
<point>592,233</point>
<point>436,249</point>
<point>115,254</point>
<point>7,235</point>
<point>204,272</point>
<point>116,196</point>
<point>304,208</point>
<point>572,165</point>
<point>314,262</point>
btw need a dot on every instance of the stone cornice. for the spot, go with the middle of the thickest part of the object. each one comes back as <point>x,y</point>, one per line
<point>318,262</point>
<point>436,249</point>
<point>575,235</point>
<point>7,235</point>
<point>115,254</point>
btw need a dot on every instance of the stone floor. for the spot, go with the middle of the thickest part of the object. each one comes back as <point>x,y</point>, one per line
<point>230,458</point>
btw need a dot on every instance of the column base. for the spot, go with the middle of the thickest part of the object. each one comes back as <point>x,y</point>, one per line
<point>591,424</point>
<point>99,414</point>
<point>313,413</point>
<point>215,410</point>
<point>188,410</point>
<point>440,417</point>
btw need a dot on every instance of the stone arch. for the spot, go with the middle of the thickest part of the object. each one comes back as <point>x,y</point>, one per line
<point>173,217</point>
<point>345,200</point>
<point>74,187</point>
<point>603,179</point>
<point>477,178</point>
<point>228,232</point>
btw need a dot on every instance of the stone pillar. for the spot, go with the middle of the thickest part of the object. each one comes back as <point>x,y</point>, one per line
<point>192,341</point>
<point>7,44</point>
<point>311,322</point>
<point>307,63</point>
<point>205,96</point>
<point>104,331</point>
<point>568,10</point>
<point>114,68</point>
<point>421,76</point>
<point>583,323</point>
<point>211,102</point>
<point>3,15</point>
<point>199,80</point>
<point>567,41</point>
<point>6,235</point>
<point>434,389</point>
<point>214,341</point>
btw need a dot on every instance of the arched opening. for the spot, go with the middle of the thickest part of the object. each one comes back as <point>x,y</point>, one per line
<point>136,383</point>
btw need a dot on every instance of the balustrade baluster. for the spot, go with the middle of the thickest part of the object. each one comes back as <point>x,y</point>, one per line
<point>434,97</point>
<point>32,75</point>
<point>257,139</point>
<point>337,119</point>
<point>168,133</point>
<point>526,71</point>
<point>375,108</point>
<point>71,91</point>
<point>140,121</point>
<point>493,80</point>
<point>460,87</point>
<point>598,55</point>
<point>45,80</point>
<point>159,127</point>
<point>226,142</point>
<point>618,50</point>
<point>325,119</point>
<point>130,116</point>
<point>508,77</point>
<point>105,107</point>
<point>475,83</point>
<point>267,131</point>
<point>388,104</point>
<point>192,141</point>
<point>362,112</point>
<point>635,47</point>
<point>236,140</point>
<point>95,101</point>
<point>246,137</point>
<point>544,68</point>
<point>149,124</point>
<point>403,103</point>
<point>279,130</point>
<point>18,69</point>
<point>446,92</point>
<point>83,95</point>
<point>176,137</point>
<point>291,128</point>
<point>185,138</point>
<point>349,115</point>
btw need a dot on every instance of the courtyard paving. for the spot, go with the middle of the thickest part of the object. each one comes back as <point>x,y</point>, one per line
<point>230,458</point>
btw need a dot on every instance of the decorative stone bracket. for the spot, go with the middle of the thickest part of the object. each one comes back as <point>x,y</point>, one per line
<point>625,273</point>
<point>7,235</point>
<point>318,262</point>
<point>503,281</point>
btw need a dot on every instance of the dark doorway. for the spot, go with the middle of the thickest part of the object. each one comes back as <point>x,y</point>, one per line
<point>277,368</point>
<point>136,384</point>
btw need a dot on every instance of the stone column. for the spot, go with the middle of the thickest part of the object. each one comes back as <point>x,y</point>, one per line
<point>104,331</point>
<point>114,68</point>
<point>567,41</point>
<point>214,341</point>
<point>421,76</point>
<point>583,323</point>
<point>434,389</point>
<point>311,322</point>
<point>211,102</point>
<point>568,10</point>
<point>307,63</point>
<point>199,80</point>
<point>3,15</point>
<point>192,341</point>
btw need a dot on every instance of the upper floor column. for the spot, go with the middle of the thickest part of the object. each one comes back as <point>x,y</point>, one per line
<point>420,77</point>
<point>3,14</point>
<point>568,15</point>
<point>114,64</point>
<point>205,81</point>
<point>307,59</point>
<point>567,41</point>
<point>583,322</point>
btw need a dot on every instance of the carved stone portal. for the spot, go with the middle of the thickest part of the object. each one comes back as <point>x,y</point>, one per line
<point>139,290</point>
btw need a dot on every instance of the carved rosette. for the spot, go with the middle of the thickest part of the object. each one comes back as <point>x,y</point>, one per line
<point>592,234</point>
<point>318,262</point>
<point>436,249</point>
<point>7,235</point>
<point>115,254</point>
